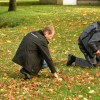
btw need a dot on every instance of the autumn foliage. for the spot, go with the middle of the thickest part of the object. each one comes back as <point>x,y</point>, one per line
<point>69,21</point>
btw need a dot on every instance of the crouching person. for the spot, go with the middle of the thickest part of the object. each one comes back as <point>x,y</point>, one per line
<point>33,53</point>
<point>89,44</point>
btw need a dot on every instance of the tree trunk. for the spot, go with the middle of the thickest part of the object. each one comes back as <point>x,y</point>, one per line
<point>12,5</point>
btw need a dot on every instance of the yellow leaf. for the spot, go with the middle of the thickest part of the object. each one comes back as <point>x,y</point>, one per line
<point>85,99</point>
<point>80,96</point>
<point>8,41</point>
<point>84,23</point>
<point>2,34</point>
<point>91,91</point>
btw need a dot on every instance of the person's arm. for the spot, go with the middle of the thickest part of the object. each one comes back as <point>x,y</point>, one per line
<point>46,55</point>
<point>81,46</point>
<point>93,42</point>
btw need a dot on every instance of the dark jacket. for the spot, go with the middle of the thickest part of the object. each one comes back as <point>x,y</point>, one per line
<point>32,52</point>
<point>89,40</point>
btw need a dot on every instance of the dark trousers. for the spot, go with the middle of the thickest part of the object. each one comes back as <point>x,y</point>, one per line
<point>92,62</point>
<point>82,62</point>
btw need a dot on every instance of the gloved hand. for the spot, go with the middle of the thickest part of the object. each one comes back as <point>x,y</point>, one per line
<point>98,53</point>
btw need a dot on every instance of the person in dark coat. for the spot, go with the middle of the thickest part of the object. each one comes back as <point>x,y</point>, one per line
<point>33,53</point>
<point>89,44</point>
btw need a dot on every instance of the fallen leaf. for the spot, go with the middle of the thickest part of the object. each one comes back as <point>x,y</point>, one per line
<point>8,41</point>
<point>91,91</point>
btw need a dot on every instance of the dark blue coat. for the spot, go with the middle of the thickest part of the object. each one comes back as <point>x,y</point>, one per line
<point>89,40</point>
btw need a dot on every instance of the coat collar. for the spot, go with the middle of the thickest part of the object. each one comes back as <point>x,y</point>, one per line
<point>41,32</point>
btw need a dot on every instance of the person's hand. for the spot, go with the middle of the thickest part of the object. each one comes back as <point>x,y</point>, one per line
<point>57,78</point>
<point>55,75</point>
<point>98,53</point>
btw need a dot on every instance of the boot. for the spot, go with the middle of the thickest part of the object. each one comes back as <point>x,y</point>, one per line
<point>27,75</point>
<point>71,59</point>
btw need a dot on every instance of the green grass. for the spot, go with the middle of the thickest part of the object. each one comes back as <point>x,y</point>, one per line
<point>20,2</point>
<point>17,0</point>
<point>69,22</point>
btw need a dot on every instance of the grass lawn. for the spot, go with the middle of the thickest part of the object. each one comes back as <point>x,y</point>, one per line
<point>20,2</point>
<point>17,0</point>
<point>69,22</point>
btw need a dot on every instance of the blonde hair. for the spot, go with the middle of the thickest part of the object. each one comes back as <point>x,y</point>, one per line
<point>49,28</point>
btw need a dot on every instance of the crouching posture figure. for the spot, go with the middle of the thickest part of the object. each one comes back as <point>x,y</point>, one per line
<point>89,44</point>
<point>33,53</point>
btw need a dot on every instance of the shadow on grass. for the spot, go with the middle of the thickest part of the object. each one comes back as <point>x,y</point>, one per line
<point>4,25</point>
<point>3,12</point>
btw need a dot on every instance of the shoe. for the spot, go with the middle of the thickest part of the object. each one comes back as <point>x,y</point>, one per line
<point>70,60</point>
<point>94,65</point>
<point>39,74</point>
<point>27,75</point>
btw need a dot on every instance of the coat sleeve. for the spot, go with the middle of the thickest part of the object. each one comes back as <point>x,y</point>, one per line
<point>82,48</point>
<point>46,55</point>
<point>93,41</point>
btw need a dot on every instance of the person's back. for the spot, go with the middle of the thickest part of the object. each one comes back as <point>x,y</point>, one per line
<point>94,27</point>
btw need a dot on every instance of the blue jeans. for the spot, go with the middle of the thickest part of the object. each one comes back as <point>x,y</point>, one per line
<point>44,65</point>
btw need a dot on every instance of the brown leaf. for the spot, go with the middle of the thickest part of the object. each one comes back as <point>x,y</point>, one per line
<point>10,96</point>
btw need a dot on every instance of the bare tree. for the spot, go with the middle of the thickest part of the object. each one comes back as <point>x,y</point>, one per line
<point>12,5</point>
